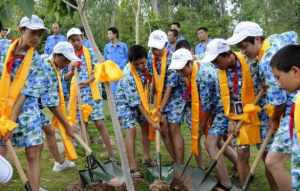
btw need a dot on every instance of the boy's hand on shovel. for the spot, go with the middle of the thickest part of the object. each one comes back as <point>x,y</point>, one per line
<point>71,130</point>
<point>232,128</point>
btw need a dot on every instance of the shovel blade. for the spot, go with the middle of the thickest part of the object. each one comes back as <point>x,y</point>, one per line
<point>113,169</point>
<point>152,173</point>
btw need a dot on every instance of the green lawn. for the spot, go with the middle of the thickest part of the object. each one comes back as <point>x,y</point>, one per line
<point>58,181</point>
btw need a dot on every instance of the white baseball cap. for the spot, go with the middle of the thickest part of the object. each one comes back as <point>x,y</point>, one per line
<point>157,39</point>
<point>73,31</point>
<point>6,170</point>
<point>33,23</point>
<point>214,48</point>
<point>66,49</point>
<point>243,30</point>
<point>180,58</point>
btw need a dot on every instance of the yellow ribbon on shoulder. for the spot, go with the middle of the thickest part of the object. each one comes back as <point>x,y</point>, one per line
<point>250,130</point>
<point>93,85</point>
<point>108,71</point>
<point>10,90</point>
<point>67,140</point>
<point>159,82</point>
<point>265,46</point>
<point>195,110</point>
<point>297,116</point>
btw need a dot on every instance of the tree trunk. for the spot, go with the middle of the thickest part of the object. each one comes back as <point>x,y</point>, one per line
<point>111,104</point>
<point>137,22</point>
<point>155,7</point>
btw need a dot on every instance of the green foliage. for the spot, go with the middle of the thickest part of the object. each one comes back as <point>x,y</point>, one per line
<point>274,16</point>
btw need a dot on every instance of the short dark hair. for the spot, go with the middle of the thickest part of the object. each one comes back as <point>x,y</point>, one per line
<point>114,30</point>
<point>176,23</point>
<point>81,28</point>
<point>224,54</point>
<point>286,58</point>
<point>183,44</point>
<point>202,28</point>
<point>136,52</point>
<point>175,32</point>
<point>251,39</point>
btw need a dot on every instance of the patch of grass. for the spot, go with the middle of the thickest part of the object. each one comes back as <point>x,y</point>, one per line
<point>58,181</point>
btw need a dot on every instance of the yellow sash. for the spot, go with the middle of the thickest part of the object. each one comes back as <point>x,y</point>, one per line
<point>159,81</point>
<point>85,108</point>
<point>143,92</point>
<point>195,110</point>
<point>67,140</point>
<point>10,90</point>
<point>250,130</point>
<point>72,117</point>
<point>93,85</point>
<point>297,116</point>
<point>264,48</point>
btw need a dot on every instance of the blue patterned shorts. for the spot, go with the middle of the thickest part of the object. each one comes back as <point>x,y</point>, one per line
<point>282,141</point>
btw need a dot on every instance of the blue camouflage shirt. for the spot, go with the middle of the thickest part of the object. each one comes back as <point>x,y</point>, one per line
<point>116,52</point>
<point>51,41</point>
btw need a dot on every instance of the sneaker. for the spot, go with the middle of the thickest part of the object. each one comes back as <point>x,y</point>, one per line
<point>61,167</point>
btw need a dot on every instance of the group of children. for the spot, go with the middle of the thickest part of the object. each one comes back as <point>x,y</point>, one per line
<point>159,91</point>
<point>214,94</point>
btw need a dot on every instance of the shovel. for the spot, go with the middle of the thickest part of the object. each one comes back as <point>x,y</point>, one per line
<point>256,161</point>
<point>203,184</point>
<point>164,173</point>
<point>18,166</point>
<point>95,171</point>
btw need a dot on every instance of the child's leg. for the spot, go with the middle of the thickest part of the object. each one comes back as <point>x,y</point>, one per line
<point>130,147</point>
<point>51,143</point>
<point>243,166</point>
<point>229,153</point>
<point>166,137</point>
<point>270,178</point>
<point>145,140</point>
<point>279,153</point>
<point>212,148</point>
<point>178,142</point>
<point>105,137</point>
<point>275,164</point>
<point>33,155</point>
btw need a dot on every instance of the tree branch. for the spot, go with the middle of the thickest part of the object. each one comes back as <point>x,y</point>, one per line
<point>70,4</point>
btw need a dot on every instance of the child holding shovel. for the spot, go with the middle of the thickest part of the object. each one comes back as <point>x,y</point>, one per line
<point>63,54</point>
<point>132,104</point>
<point>162,80</point>
<point>286,68</point>
<point>21,84</point>
<point>235,92</point>
<point>89,89</point>
<point>249,38</point>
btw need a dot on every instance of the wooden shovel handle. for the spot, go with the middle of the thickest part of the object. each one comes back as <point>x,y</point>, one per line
<point>157,141</point>
<point>261,151</point>
<point>85,146</point>
<point>16,162</point>
<point>257,159</point>
<point>83,126</point>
